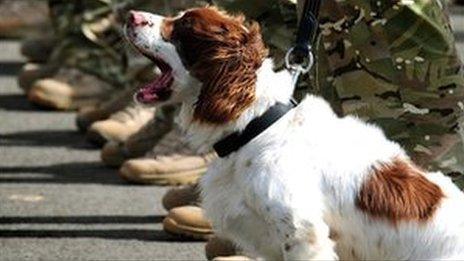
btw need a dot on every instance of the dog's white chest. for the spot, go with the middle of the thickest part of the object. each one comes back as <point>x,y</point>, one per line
<point>234,208</point>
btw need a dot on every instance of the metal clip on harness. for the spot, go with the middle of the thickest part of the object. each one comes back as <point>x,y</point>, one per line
<point>299,59</point>
<point>298,68</point>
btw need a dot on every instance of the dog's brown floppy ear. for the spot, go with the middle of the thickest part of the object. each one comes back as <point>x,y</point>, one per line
<point>228,74</point>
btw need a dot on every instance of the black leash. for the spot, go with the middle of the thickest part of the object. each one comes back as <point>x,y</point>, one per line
<point>299,59</point>
<point>307,29</point>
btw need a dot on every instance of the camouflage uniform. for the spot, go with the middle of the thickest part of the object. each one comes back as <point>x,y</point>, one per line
<point>90,39</point>
<point>395,64</point>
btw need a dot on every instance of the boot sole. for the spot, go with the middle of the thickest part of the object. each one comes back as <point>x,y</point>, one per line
<point>172,227</point>
<point>170,179</point>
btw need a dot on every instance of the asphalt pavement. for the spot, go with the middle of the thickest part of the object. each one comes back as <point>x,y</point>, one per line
<point>58,202</point>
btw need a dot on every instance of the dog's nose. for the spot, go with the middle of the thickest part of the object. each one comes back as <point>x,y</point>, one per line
<point>137,18</point>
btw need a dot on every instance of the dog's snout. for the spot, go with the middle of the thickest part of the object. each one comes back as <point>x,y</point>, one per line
<point>137,19</point>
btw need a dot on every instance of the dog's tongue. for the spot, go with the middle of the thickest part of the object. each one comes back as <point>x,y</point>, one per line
<point>157,90</point>
<point>147,93</point>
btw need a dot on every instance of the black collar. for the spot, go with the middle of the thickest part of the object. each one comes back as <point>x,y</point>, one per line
<point>236,140</point>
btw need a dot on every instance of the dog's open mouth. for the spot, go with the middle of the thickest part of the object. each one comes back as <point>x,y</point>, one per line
<point>160,88</point>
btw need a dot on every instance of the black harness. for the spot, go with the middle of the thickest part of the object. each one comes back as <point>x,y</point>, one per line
<point>295,59</point>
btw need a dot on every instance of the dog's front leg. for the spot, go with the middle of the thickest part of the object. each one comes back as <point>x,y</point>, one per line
<point>312,243</point>
<point>304,234</point>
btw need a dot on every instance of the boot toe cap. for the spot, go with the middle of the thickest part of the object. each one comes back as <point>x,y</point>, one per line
<point>108,130</point>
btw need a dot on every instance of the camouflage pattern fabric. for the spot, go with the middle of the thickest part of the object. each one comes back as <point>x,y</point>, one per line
<point>394,63</point>
<point>89,39</point>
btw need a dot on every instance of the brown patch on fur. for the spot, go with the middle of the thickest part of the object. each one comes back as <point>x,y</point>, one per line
<point>399,191</point>
<point>224,55</point>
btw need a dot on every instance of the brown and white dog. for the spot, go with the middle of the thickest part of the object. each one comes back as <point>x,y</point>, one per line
<point>311,186</point>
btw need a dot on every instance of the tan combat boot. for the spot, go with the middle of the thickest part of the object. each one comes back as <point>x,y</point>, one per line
<point>216,248</point>
<point>171,162</point>
<point>181,196</point>
<point>114,154</point>
<point>116,103</point>
<point>69,89</point>
<point>188,221</point>
<point>121,124</point>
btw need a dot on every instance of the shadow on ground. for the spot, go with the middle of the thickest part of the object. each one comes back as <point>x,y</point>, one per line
<point>122,234</point>
<point>82,220</point>
<point>18,102</point>
<point>10,68</point>
<point>66,173</point>
<point>46,138</point>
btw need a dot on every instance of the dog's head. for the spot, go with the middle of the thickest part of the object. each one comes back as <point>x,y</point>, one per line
<point>204,45</point>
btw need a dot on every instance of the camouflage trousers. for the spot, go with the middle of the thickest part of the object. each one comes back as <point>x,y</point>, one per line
<point>90,36</point>
<point>394,63</point>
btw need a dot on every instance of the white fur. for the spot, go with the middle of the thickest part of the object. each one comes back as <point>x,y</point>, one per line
<point>280,195</point>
